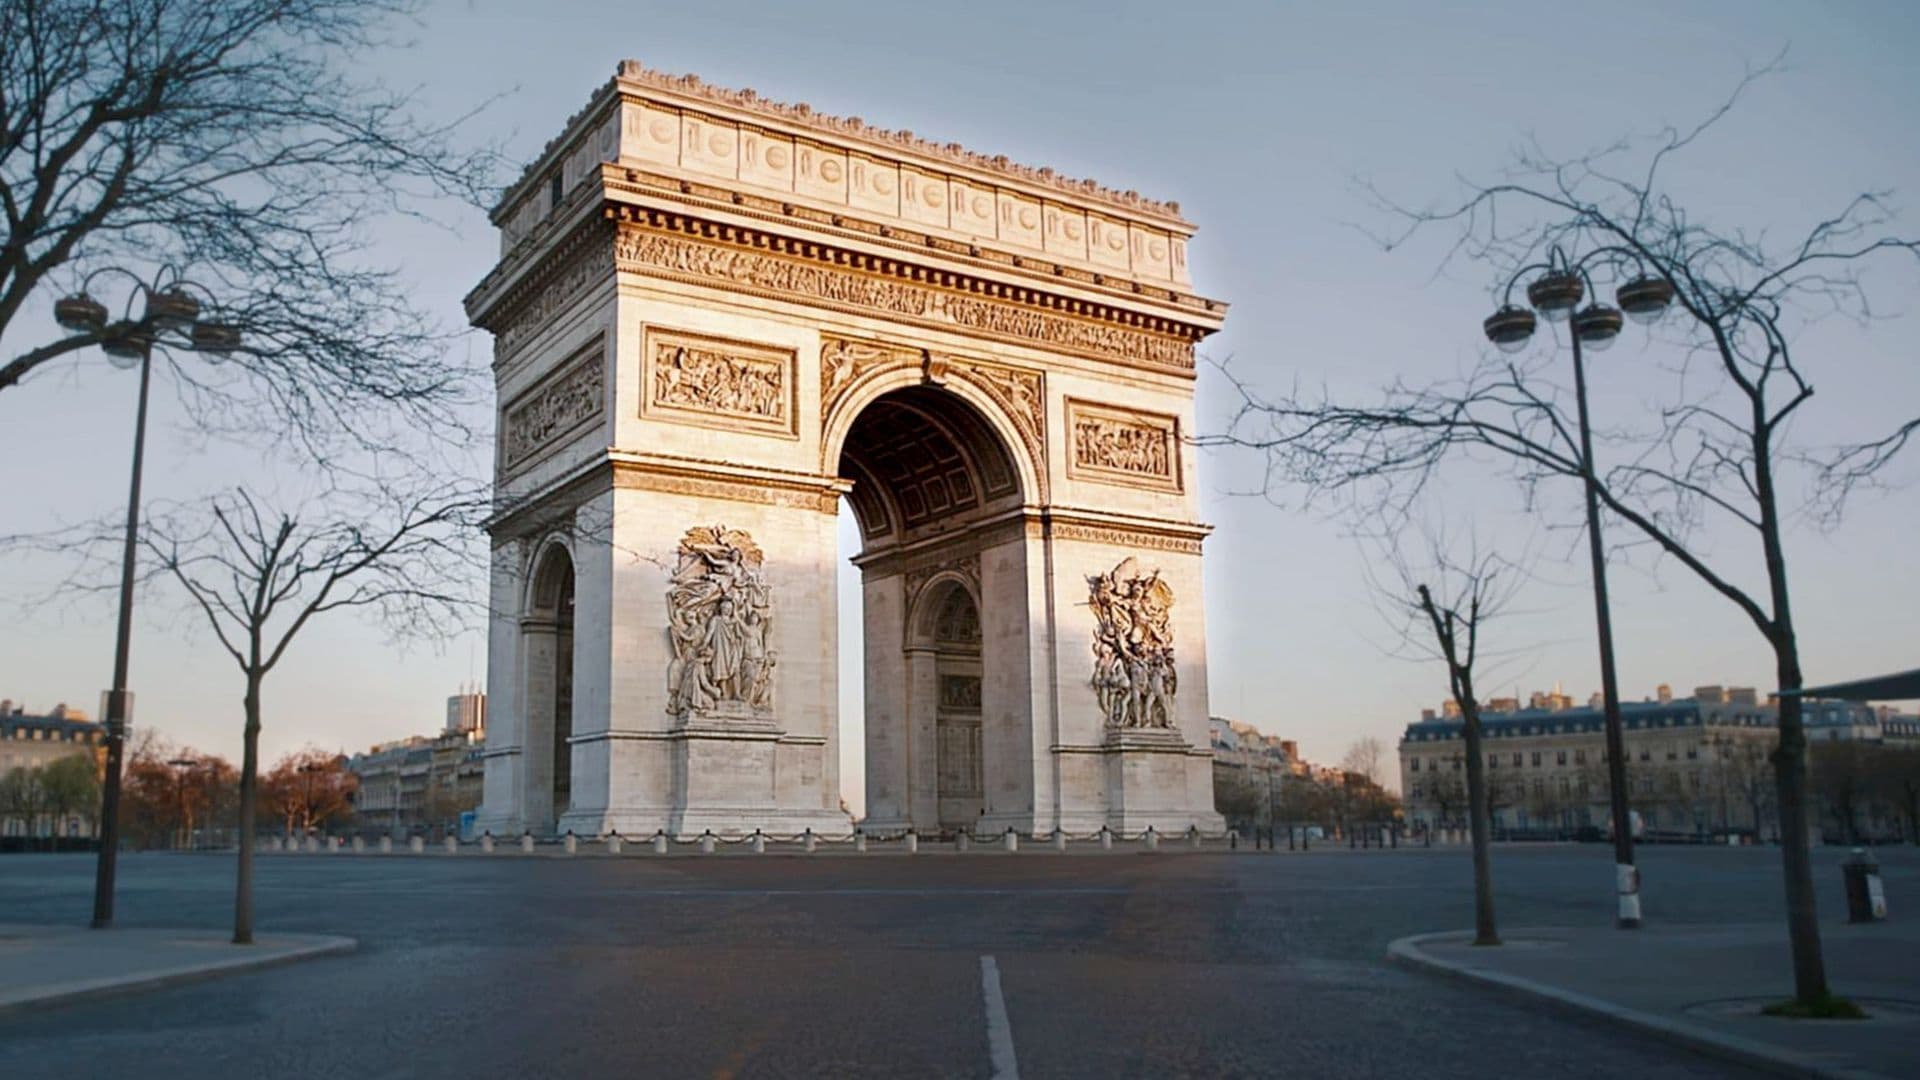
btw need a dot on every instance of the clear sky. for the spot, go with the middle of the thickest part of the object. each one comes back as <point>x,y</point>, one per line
<point>1259,119</point>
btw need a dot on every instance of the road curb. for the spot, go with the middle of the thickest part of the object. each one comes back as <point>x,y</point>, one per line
<point>312,945</point>
<point>1780,1061</point>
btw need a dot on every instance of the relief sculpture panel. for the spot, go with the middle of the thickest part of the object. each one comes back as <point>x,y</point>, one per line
<point>1133,669</point>
<point>1120,446</point>
<point>720,624</point>
<point>714,381</point>
<point>563,402</point>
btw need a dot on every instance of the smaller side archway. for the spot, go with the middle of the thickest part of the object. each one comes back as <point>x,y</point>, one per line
<point>546,643</point>
<point>944,675</point>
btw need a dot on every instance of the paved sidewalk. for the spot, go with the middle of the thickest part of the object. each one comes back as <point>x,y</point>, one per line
<point>40,965</point>
<point>1703,986</point>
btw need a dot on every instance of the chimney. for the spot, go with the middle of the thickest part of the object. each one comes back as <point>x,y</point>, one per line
<point>1665,693</point>
<point>1426,714</point>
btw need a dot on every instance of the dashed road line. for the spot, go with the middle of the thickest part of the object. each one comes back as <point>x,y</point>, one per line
<point>999,1030</point>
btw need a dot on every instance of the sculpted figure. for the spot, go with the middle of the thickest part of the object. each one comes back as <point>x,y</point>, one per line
<point>719,613</point>
<point>1133,667</point>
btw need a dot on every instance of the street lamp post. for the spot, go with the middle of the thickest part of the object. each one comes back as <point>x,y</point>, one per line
<point>181,766</point>
<point>171,319</point>
<point>1556,294</point>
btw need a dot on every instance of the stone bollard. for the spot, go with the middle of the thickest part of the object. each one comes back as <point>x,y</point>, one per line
<point>359,844</point>
<point>808,842</point>
<point>1011,841</point>
<point>659,843</point>
<point>486,843</point>
<point>1059,839</point>
<point>572,843</point>
<point>859,841</point>
<point>1152,839</point>
<point>452,844</point>
<point>313,844</point>
<point>962,840</point>
<point>706,842</point>
<point>416,844</point>
<point>613,844</point>
<point>1106,838</point>
<point>759,843</point>
<point>1193,837</point>
<point>913,842</point>
<point>526,843</point>
<point>273,843</point>
<point>386,845</point>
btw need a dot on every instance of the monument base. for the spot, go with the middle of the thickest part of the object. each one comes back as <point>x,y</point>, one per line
<point>1154,777</point>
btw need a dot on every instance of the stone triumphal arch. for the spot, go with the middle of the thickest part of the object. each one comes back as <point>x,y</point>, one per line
<point>715,318</point>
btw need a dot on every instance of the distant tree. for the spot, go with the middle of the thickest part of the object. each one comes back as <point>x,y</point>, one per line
<point>308,789</point>
<point>72,787</point>
<point>1896,777</point>
<point>23,797</point>
<point>226,136</point>
<point>1364,756</point>
<point>1237,797</point>
<point>1446,789</point>
<point>1843,782</point>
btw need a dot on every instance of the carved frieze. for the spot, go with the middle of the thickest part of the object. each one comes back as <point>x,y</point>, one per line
<point>814,278</point>
<point>720,627</point>
<point>567,399</point>
<point>1123,446</point>
<point>719,382</point>
<point>960,693</point>
<point>1133,669</point>
<point>591,263</point>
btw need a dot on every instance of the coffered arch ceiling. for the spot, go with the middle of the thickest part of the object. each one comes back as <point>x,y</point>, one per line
<point>920,458</point>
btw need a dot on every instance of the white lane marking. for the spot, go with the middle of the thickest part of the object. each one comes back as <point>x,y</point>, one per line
<point>999,1031</point>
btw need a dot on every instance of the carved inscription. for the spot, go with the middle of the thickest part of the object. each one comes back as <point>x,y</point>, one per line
<point>712,380</point>
<point>562,402</point>
<point>1116,445</point>
<point>1133,670</point>
<point>787,277</point>
<point>720,625</point>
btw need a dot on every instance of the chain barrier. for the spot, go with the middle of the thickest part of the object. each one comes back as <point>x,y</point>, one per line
<point>708,841</point>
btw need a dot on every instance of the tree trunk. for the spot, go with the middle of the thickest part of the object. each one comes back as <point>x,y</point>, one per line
<point>249,782</point>
<point>1480,824</point>
<point>1790,779</point>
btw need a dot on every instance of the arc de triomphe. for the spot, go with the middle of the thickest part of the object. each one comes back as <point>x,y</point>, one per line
<point>715,317</point>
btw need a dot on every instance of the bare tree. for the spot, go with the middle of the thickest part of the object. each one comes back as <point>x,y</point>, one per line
<point>220,135</point>
<point>1713,457</point>
<point>1441,605</point>
<point>260,575</point>
<point>1363,758</point>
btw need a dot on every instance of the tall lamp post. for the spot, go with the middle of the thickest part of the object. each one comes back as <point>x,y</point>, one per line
<point>1556,294</point>
<point>170,319</point>
<point>181,766</point>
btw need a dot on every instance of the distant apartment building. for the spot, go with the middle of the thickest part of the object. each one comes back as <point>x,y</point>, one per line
<point>424,782</point>
<point>30,741</point>
<point>1693,764</point>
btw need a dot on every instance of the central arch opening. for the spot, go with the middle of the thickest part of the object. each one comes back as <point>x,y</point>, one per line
<point>927,469</point>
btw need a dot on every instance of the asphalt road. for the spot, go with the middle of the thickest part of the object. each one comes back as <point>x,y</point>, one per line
<point>744,966</point>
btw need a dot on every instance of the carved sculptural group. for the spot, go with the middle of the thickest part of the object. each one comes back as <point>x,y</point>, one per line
<point>1133,669</point>
<point>720,625</point>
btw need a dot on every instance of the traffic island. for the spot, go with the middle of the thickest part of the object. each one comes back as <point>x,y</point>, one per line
<point>1708,987</point>
<point>44,965</point>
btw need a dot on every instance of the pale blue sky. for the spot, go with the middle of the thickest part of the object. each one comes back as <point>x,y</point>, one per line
<point>1258,118</point>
